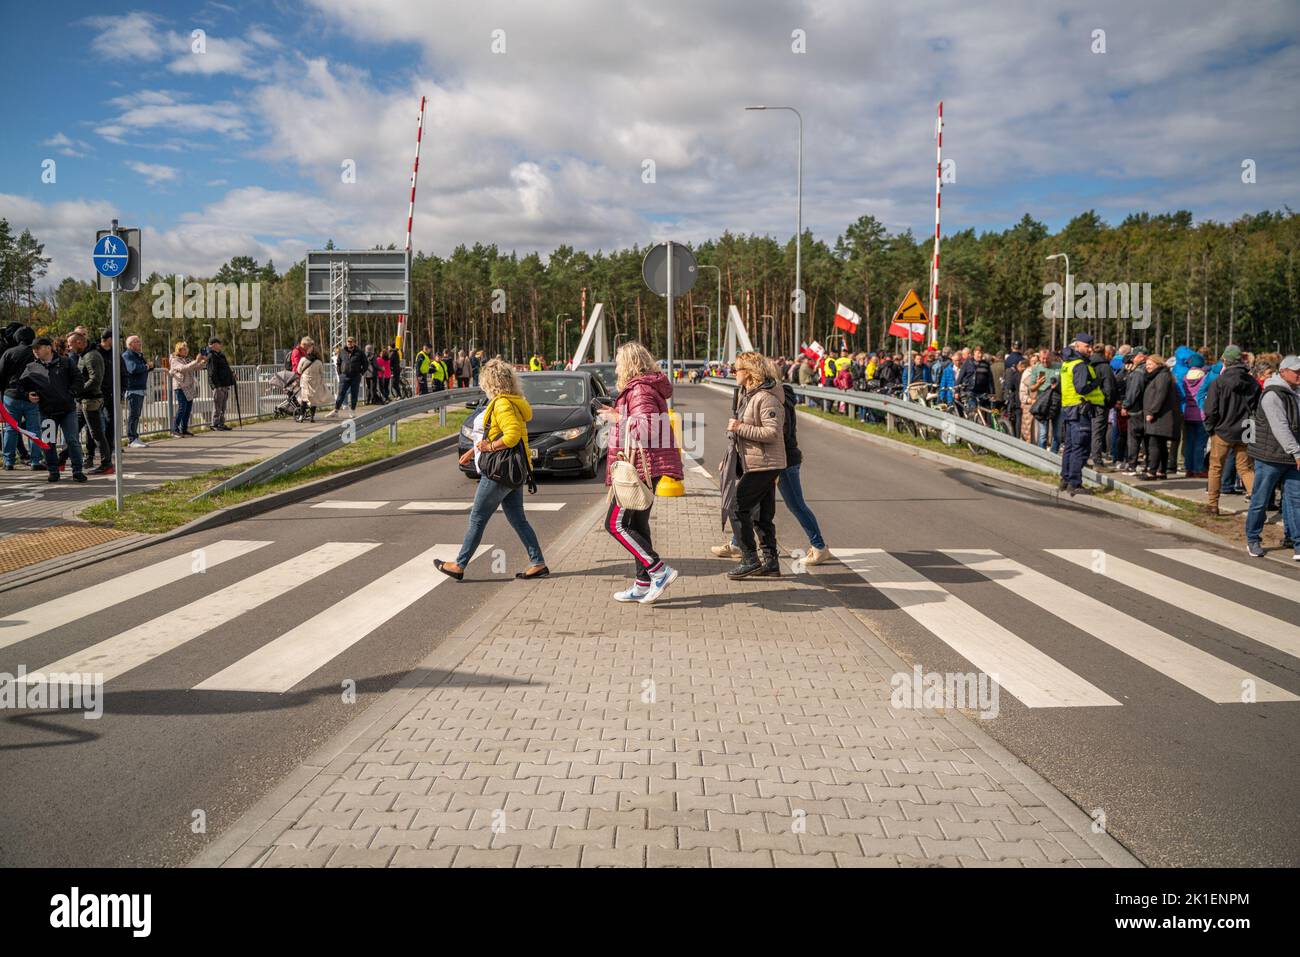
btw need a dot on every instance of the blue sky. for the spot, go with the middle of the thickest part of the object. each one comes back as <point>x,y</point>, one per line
<point>538,135</point>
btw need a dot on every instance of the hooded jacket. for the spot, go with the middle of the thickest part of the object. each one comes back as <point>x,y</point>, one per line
<point>760,435</point>
<point>1229,401</point>
<point>57,383</point>
<point>1277,423</point>
<point>1106,376</point>
<point>642,406</point>
<point>1160,399</point>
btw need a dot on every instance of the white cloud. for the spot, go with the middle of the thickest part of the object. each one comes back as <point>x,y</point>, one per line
<point>67,146</point>
<point>152,110</point>
<point>130,36</point>
<point>154,173</point>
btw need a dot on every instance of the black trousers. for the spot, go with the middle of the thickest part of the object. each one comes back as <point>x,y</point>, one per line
<point>631,529</point>
<point>1135,438</point>
<point>755,507</point>
<point>1100,427</point>
<point>1157,453</point>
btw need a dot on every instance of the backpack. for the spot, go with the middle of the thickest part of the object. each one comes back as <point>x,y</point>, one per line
<point>792,454</point>
<point>1048,404</point>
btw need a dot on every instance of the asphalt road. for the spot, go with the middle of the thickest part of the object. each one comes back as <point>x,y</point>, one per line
<point>1182,776</point>
<point>1126,694</point>
<point>122,789</point>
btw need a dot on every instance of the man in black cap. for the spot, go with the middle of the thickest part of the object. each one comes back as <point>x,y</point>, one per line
<point>1081,400</point>
<point>222,379</point>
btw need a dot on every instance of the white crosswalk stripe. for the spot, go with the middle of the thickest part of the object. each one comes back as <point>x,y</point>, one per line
<point>1188,665</point>
<point>1255,577</point>
<point>1250,622</point>
<point>57,612</point>
<point>1033,677</point>
<point>292,657</point>
<point>462,505</point>
<point>130,649</point>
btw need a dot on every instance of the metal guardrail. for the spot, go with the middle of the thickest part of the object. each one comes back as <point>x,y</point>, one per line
<point>345,433</point>
<point>955,429</point>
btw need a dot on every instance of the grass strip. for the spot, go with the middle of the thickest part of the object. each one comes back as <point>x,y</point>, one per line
<point>169,506</point>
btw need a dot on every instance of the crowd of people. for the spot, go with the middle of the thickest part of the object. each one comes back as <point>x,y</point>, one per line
<point>1234,417</point>
<point>58,388</point>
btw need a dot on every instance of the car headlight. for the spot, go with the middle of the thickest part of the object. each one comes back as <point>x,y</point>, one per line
<point>569,434</point>
<point>466,431</point>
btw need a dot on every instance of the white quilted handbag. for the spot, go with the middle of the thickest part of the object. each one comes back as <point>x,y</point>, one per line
<point>626,483</point>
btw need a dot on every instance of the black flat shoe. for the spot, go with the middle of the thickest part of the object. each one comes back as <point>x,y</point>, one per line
<point>541,572</point>
<point>439,564</point>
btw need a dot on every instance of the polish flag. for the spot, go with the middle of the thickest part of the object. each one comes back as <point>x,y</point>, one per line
<point>846,318</point>
<point>814,351</point>
<point>13,424</point>
<point>916,330</point>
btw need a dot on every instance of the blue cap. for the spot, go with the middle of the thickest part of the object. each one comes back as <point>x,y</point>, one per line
<point>1084,338</point>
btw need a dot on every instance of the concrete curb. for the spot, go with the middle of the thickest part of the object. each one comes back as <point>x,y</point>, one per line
<point>233,848</point>
<point>222,516</point>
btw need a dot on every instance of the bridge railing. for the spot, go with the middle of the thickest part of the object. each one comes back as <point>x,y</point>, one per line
<point>955,428</point>
<point>344,433</point>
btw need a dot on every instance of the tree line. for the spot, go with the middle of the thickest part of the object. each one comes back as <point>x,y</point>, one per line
<point>1209,280</point>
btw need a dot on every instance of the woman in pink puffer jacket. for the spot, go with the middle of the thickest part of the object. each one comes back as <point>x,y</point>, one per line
<point>640,418</point>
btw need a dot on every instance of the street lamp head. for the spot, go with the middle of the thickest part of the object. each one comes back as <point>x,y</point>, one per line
<point>1055,256</point>
<point>756,107</point>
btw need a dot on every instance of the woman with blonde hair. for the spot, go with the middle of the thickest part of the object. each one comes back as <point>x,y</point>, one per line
<point>757,431</point>
<point>312,391</point>
<point>639,423</point>
<point>184,375</point>
<point>502,424</point>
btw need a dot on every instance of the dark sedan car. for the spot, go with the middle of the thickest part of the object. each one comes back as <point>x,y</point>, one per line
<point>605,372</point>
<point>564,435</point>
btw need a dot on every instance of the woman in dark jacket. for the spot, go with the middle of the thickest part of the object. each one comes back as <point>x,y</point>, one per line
<point>640,417</point>
<point>1159,417</point>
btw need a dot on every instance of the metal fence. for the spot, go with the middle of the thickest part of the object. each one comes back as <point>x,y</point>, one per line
<point>346,432</point>
<point>254,395</point>
<point>955,428</point>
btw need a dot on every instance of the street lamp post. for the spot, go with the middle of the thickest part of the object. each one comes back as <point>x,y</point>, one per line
<point>1067,301</point>
<point>798,234</point>
<point>709,334</point>
<point>558,317</point>
<point>708,331</point>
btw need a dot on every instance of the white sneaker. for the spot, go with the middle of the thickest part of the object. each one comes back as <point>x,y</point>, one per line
<point>725,551</point>
<point>816,556</point>
<point>635,593</point>
<point>659,583</point>
<point>137,444</point>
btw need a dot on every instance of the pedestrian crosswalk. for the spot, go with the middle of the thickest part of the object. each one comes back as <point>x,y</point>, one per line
<point>448,506</point>
<point>1138,608</point>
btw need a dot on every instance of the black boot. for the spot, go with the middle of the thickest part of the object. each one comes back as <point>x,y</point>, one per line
<point>749,565</point>
<point>771,568</point>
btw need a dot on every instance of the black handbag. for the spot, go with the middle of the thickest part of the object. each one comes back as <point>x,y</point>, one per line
<point>508,466</point>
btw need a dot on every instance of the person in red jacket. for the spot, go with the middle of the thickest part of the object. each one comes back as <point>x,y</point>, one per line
<point>640,419</point>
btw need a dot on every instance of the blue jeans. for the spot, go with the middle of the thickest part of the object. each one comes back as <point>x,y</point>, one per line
<point>184,405</point>
<point>792,494</point>
<point>1194,446</point>
<point>135,405</point>
<point>490,494</point>
<point>348,384</point>
<point>1268,475</point>
<point>69,425</point>
<point>28,415</point>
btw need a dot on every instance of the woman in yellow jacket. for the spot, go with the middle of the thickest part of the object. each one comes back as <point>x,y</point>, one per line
<point>506,416</point>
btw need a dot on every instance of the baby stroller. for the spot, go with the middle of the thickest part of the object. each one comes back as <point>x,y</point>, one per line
<point>286,382</point>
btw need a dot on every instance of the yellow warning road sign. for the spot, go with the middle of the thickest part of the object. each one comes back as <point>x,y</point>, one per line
<point>911,311</point>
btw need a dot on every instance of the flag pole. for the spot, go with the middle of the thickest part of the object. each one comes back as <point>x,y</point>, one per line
<point>934,268</point>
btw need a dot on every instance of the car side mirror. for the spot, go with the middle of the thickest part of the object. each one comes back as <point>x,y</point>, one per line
<point>603,400</point>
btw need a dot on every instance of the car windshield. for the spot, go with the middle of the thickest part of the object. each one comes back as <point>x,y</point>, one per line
<point>554,390</point>
<point>605,373</point>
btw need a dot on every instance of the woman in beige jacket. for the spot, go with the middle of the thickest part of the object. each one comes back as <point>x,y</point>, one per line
<point>758,431</point>
<point>311,380</point>
<point>184,375</point>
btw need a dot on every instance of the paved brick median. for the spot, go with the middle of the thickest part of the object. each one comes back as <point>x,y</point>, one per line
<point>721,727</point>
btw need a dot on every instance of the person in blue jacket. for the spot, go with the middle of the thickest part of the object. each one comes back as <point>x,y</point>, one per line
<point>135,388</point>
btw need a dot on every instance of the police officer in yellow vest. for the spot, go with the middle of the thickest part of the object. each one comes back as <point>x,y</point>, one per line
<point>422,366</point>
<point>828,370</point>
<point>438,369</point>
<point>843,362</point>
<point>535,363</point>
<point>1081,399</point>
